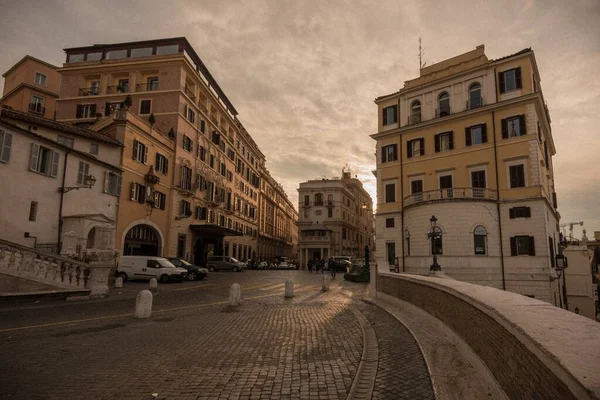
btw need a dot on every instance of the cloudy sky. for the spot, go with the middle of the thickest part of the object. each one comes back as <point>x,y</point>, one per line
<point>303,74</point>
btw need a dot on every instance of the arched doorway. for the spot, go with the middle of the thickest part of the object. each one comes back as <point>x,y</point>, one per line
<point>142,240</point>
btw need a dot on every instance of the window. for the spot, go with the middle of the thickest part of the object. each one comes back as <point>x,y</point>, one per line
<point>415,147</point>
<point>65,141</point>
<point>513,127</point>
<point>510,80</point>
<point>443,104</point>
<point>162,164</point>
<point>476,134</point>
<point>479,239</point>
<point>160,200</point>
<point>33,207</point>
<point>389,222</point>
<point>43,160</point>
<point>390,115</point>
<point>389,153</point>
<point>318,199</point>
<point>444,141</point>
<point>517,175</point>
<point>306,213</point>
<point>112,183</point>
<point>75,57</point>
<point>519,212</point>
<point>116,54</point>
<point>475,99</point>
<point>152,83</point>
<point>185,208</point>
<point>82,172</point>
<point>552,254</point>
<point>191,115</point>
<point>330,213</point>
<point>446,183</point>
<point>5,145</point>
<point>416,189</point>
<point>170,49</point>
<point>94,149</point>
<point>186,178</point>
<point>93,56</point>
<point>478,183</point>
<point>37,105</point>
<point>201,153</point>
<point>142,52</point>
<point>231,154</point>
<point>140,152</point>
<point>211,162</point>
<point>181,244</point>
<point>40,79</point>
<point>187,143</point>
<point>390,193</point>
<point>201,213</point>
<point>391,253</point>
<point>229,176</point>
<point>201,182</point>
<point>223,169</point>
<point>202,126</point>
<point>123,86</point>
<point>306,200</point>
<point>415,112</point>
<point>85,111</point>
<point>138,192</point>
<point>145,106</point>
<point>522,245</point>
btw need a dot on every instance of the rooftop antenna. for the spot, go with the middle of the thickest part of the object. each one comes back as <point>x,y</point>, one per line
<point>421,54</point>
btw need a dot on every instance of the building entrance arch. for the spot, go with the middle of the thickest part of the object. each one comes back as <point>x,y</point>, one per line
<point>142,240</point>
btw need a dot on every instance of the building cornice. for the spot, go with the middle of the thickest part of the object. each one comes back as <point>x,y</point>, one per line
<point>28,86</point>
<point>28,57</point>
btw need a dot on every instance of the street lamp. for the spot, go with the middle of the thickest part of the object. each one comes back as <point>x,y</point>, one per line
<point>88,182</point>
<point>434,233</point>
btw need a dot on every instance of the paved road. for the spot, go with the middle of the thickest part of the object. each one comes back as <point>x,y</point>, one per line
<point>196,347</point>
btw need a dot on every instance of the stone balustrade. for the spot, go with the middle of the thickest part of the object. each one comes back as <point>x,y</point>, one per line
<point>534,349</point>
<point>51,269</point>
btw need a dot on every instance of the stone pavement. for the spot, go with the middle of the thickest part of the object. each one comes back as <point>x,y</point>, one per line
<point>196,347</point>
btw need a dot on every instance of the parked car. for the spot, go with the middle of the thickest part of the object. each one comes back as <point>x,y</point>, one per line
<point>341,264</point>
<point>263,265</point>
<point>224,263</point>
<point>147,267</point>
<point>194,271</point>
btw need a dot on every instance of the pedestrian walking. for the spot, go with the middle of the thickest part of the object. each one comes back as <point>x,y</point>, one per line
<point>310,266</point>
<point>332,268</point>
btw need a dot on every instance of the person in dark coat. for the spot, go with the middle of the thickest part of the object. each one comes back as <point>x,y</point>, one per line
<point>310,265</point>
<point>332,269</point>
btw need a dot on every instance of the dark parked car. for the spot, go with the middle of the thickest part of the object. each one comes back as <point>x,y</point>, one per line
<point>340,265</point>
<point>194,271</point>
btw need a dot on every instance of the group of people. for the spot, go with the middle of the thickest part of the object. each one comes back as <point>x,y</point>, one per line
<point>322,265</point>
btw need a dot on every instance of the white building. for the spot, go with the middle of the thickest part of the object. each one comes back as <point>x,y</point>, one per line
<point>55,183</point>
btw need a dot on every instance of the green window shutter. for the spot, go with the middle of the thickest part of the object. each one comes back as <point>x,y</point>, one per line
<point>34,157</point>
<point>504,129</point>
<point>522,125</point>
<point>451,140</point>
<point>518,80</point>
<point>468,136</point>
<point>437,140</point>
<point>55,157</point>
<point>501,82</point>
<point>484,133</point>
<point>513,246</point>
<point>531,246</point>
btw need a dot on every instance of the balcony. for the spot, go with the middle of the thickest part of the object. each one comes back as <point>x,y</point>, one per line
<point>91,91</point>
<point>442,111</point>
<point>414,119</point>
<point>189,93</point>
<point>147,87</point>
<point>475,102</point>
<point>117,89</point>
<point>37,108</point>
<point>451,194</point>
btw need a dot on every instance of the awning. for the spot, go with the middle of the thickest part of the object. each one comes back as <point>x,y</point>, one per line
<point>213,230</point>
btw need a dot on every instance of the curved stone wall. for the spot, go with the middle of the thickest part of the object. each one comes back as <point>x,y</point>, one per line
<point>534,350</point>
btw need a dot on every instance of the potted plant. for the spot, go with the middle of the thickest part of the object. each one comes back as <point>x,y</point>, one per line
<point>127,102</point>
<point>151,119</point>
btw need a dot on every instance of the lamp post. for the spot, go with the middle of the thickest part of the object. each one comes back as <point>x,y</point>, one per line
<point>561,264</point>
<point>434,233</point>
<point>88,182</point>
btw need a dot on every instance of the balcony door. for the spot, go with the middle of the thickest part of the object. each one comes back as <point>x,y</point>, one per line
<point>446,186</point>
<point>478,183</point>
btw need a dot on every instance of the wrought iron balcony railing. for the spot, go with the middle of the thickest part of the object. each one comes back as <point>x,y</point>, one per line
<point>442,111</point>
<point>147,87</point>
<point>414,119</point>
<point>91,91</point>
<point>451,194</point>
<point>189,93</point>
<point>474,103</point>
<point>117,89</point>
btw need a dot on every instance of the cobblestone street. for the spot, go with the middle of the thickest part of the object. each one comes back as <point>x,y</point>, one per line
<point>196,347</point>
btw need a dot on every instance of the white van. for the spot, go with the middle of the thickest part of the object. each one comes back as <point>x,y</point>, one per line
<point>145,267</point>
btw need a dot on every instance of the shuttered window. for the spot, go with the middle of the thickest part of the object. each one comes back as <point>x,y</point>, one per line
<point>390,115</point>
<point>43,160</point>
<point>513,126</point>
<point>444,141</point>
<point>415,147</point>
<point>510,80</point>
<point>112,183</point>
<point>140,152</point>
<point>82,172</point>
<point>5,146</point>
<point>476,134</point>
<point>522,245</point>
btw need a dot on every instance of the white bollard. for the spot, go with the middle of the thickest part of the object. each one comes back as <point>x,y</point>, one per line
<point>153,285</point>
<point>289,289</point>
<point>119,282</point>
<point>143,304</point>
<point>235,295</point>
<point>325,283</point>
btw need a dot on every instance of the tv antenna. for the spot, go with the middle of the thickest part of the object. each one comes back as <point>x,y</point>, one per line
<point>421,55</point>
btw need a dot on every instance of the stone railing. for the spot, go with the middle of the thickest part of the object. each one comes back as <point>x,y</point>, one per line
<point>51,269</point>
<point>460,193</point>
<point>534,349</point>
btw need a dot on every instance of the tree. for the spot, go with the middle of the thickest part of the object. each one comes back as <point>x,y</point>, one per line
<point>171,133</point>
<point>127,102</point>
<point>151,119</point>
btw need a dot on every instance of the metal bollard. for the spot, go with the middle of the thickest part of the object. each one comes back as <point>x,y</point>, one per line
<point>153,285</point>
<point>325,286</point>
<point>143,304</point>
<point>289,289</point>
<point>119,282</point>
<point>235,295</point>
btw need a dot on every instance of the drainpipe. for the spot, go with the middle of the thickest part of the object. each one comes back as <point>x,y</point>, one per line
<point>400,147</point>
<point>498,187</point>
<point>60,207</point>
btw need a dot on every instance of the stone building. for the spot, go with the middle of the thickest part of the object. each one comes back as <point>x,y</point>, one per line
<point>470,142</point>
<point>55,178</point>
<point>277,231</point>
<point>335,218</point>
<point>31,85</point>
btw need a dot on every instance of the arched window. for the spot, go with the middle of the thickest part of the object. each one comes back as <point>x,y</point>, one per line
<point>475,99</point>
<point>415,112</point>
<point>318,199</point>
<point>444,104</point>
<point>91,239</point>
<point>480,240</point>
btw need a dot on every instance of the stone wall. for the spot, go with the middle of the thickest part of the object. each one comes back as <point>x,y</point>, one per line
<point>533,349</point>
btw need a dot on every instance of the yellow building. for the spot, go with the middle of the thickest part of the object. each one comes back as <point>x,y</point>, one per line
<point>335,218</point>
<point>217,165</point>
<point>470,142</point>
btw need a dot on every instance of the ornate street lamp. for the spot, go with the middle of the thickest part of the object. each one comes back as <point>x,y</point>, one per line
<point>88,182</point>
<point>434,233</point>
